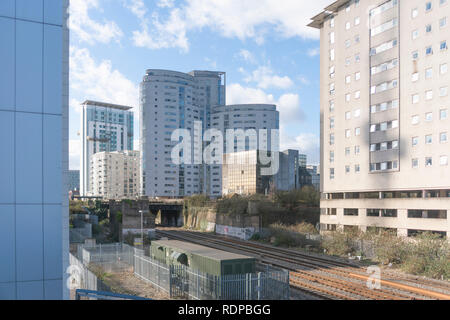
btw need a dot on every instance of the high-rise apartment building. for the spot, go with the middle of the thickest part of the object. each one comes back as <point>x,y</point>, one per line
<point>287,178</point>
<point>171,100</point>
<point>249,118</point>
<point>34,214</point>
<point>384,115</point>
<point>105,127</point>
<point>115,175</point>
<point>74,180</point>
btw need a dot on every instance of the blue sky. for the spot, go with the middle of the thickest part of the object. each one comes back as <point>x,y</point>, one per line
<point>269,54</point>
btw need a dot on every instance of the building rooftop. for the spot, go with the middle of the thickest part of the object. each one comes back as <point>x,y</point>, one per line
<point>106,105</point>
<point>200,250</point>
<point>318,20</point>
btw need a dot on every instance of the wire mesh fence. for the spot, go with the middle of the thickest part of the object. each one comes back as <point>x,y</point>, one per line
<point>180,281</point>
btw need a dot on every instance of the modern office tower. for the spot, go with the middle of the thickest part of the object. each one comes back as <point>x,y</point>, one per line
<point>287,178</point>
<point>74,180</point>
<point>384,115</point>
<point>314,172</point>
<point>115,175</point>
<point>171,100</point>
<point>34,214</point>
<point>246,117</point>
<point>241,174</point>
<point>302,160</point>
<point>105,127</point>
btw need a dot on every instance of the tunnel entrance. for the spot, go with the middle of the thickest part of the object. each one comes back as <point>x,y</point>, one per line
<point>167,215</point>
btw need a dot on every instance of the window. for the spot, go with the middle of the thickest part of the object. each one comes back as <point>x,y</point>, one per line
<point>357,149</point>
<point>443,137</point>
<point>331,173</point>
<point>429,95</point>
<point>428,139</point>
<point>429,116</point>
<point>357,168</point>
<point>357,21</point>
<point>429,50</point>
<point>331,123</point>
<point>415,34</point>
<point>347,151</point>
<point>414,13</point>
<point>331,139</point>
<point>348,79</point>
<point>428,28</point>
<point>332,54</point>
<point>332,88</point>
<point>415,163</point>
<point>443,160</point>
<point>331,37</point>
<point>347,26</point>
<point>443,45</point>
<point>357,131</point>
<point>443,68</point>
<point>348,133</point>
<point>347,97</point>
<point>415,55</point>
<point>347,169</point>
<point>428,6</point>
<point>357,94</point>
<point>428,73</point>
<point>347,62</point>
<point>383,47</point>
<point>443,22</point>
<point>331,106</point>
<point>357,76</point>
<point>415,119</point>
<point>443,91</point>
<point>384,27</point>
<point>443,114</point>
<point>332,23</point>
<point>357,58</point>
<point>415,77</point>
<point>428,162</point>
<point>348,43</point>
<point>348,115</point>
<point>350,212</point>
<point>357,113</point>
<point>331,156</point>
<point>415,141</point>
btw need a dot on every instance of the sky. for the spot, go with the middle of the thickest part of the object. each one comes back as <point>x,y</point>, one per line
<point>264,46</point>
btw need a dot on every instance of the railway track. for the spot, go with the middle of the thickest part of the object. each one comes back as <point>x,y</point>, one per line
<point>323,277</point>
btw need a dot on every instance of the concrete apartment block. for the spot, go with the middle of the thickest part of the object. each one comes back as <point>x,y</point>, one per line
<point>115,175</point>
<point>384,115</point>
<point>34,214</point>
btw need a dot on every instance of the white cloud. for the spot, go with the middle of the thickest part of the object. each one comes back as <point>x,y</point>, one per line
<point>100,81</point>
<point>166,3</point>
<point>265,78</point>
<point>87,30</point>
<point>313,52</point>
<point>74,154</point>
<point>247,56</point>
<point>249,19</point>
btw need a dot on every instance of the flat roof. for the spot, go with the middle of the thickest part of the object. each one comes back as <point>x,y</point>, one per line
<point>106,105</point>
<point>318,20</point>
<point>212,253</point>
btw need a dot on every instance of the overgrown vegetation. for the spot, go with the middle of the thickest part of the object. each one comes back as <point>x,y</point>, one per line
<point>427,254</point>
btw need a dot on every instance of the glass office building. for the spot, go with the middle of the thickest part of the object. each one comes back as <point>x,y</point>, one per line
<point>34,149</point>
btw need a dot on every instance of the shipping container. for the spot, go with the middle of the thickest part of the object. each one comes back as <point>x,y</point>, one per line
<point>208,260</point>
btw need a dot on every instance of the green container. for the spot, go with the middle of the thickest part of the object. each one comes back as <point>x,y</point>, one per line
<point>208,260</point>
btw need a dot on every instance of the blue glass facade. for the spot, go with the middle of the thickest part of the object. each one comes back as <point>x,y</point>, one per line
<point>33,140</point>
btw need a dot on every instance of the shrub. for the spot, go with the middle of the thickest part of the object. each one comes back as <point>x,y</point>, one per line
<point>338,243</point>
<point>429,255</point>
<point>390,249</point>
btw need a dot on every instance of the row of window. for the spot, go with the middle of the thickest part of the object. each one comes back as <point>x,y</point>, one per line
<point>390,213</point>
<point>443,161</point>
<point>415,119</point>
